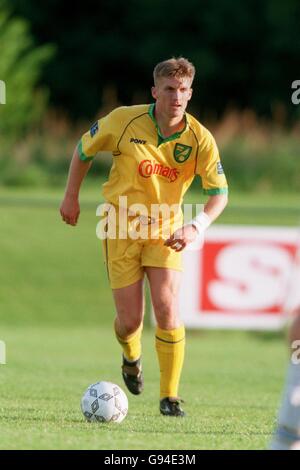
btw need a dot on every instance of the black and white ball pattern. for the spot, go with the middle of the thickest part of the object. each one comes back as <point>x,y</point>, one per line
<point>104,402</point>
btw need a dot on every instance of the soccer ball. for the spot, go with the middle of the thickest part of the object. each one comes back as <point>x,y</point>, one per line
<point>104,402</point>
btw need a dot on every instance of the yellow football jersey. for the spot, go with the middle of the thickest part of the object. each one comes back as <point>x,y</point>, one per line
<point>148,168</point>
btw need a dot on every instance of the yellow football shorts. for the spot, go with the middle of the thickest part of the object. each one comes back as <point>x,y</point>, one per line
<point>125,259</point>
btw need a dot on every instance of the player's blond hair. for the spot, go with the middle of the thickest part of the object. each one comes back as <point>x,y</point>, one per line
<point>175,67</point>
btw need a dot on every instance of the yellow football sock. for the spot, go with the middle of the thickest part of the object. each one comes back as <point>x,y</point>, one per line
<point>131,344</point>
<point>170,345</point>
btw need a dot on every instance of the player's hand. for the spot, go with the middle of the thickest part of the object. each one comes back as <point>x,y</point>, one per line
<point>70,210</point>
<point>182,237</point>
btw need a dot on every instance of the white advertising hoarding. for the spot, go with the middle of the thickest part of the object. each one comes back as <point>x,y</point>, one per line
<point>243,277</point>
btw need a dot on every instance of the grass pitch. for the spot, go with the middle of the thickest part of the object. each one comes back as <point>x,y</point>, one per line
<point>56,315</point>
<point>231,384</point>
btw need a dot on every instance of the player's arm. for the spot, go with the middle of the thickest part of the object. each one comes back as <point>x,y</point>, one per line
<point>196,228</point>
<point>212,209</point>
<point>70,208</point>
<point>215,206</point>
<point>102,136</point>
<point>214,184</point>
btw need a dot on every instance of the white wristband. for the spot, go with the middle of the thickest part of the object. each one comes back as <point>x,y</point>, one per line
<point>201,222</point>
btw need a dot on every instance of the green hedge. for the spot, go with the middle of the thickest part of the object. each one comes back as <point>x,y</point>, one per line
<point>250,165</point>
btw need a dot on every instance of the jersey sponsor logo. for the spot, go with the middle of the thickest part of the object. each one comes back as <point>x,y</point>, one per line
<point>149,168</point>
<point>220,170</point>
<point>182,152</point>
<point>138,141</point>
<point>94,129</point>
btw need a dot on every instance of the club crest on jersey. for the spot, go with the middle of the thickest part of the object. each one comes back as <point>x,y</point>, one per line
<point>182,152</point>
<point>94,129</point>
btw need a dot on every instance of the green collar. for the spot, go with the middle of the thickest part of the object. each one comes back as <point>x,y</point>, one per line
<point>161,139</point>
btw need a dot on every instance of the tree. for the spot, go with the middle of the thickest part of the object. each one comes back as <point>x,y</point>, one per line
<point>246,53</point>
<point>20,67</point>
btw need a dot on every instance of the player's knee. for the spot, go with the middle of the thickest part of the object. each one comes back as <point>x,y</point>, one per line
<point>128,326</point>
<point>128,320</point>
<point>163,306</point>
<point>166,313</point>
<point>165,299</point>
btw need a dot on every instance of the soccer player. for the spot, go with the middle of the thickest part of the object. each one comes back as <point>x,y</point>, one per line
<point>157,150</point>
<point>287,436</point>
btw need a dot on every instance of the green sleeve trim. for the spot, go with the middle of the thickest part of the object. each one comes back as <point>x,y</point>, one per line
<point>81,153</point>
<point>214,192</point>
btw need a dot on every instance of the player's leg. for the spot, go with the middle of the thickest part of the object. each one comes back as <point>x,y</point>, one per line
<point>287,435</point>
<point>125,274</point>
<point>170,335</point>
<point>129,302</point>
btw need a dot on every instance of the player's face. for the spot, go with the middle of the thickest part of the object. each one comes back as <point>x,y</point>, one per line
<point>172,95</point>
